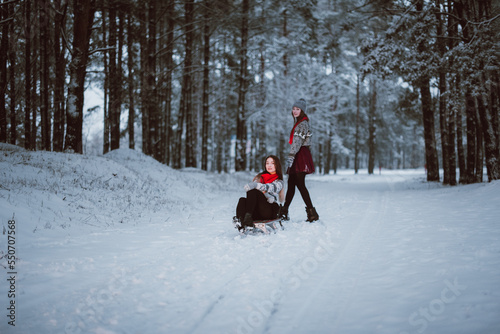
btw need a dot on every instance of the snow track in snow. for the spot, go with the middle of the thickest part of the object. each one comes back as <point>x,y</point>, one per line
<point>331,281</point>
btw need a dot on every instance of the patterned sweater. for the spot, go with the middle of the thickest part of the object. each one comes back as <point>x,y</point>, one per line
<point>301,137</point>
<point>270,190</point>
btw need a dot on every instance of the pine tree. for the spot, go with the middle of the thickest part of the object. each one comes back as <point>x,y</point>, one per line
<point>83,19</point>
<point>241,126</point>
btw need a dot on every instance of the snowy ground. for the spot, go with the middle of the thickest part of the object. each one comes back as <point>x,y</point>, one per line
<point>123,244</point>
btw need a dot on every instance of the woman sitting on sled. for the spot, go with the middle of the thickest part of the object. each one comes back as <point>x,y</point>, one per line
<point>263,195</point>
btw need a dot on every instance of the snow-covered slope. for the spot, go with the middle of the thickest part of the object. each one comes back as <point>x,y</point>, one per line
<point>124,244</point>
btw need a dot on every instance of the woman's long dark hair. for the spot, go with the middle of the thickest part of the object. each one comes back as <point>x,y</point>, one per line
<point>277,164</point>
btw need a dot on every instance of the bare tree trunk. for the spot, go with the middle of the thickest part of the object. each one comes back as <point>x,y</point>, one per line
<point>319,165</point>
<point>27,74</point>
<point>285,35</point>
<point>478,177</point>
<point>82,27</point>
<point>152,127</point>
<point>241,130</point>
<point>371,126</point>
<point>495,104</point>
<point>12,80</point>
<point>152,110</point>
<point>452,161</point>
<point>162,7</point>
<point>35,100</point>
<point>280,142</point>
<point>114,106</point>
<point>119,79</point>
<point>131,97</point>
<point>4,48</point>
<point>443,112</point>
<point>328,150</point>
<point>415,161</point>
<point>60,65</point>
<point>105,34</point>
<point>443,125</point>
<point>44,74</point>
<point>220,120</point>
<point>453,110</point>
<point>146,147</point>
<point>168,78</point>
<point>261,123</point>
<point>471,137</point>
<point>488,112</point>
<point>188,86</point>
<point>357,134</point>
<point>460,149</point>
<point>178,134</point>
<point>185,101</point>
<point>489,137</point>
<point>330,130</point>
<point>494,88</point>
<point>219,142</point>
<point>206,83</point>
<point>431,156</point>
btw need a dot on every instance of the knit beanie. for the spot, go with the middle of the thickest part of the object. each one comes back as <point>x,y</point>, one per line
<point>302,104</point>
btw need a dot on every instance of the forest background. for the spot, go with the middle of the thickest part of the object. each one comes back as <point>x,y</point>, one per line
<point>210,83</point>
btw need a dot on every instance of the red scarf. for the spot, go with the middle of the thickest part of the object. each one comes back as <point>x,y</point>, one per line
<point>293,129</point>
<point>268,178</point>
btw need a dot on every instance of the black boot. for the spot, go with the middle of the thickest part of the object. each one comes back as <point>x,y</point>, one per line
<point>237,223</point>
<point>312,215</point>
<point>283,213</point>
<point>248,220</point>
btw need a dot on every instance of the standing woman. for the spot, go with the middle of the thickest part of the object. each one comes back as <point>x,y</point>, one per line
<point>299,161</point>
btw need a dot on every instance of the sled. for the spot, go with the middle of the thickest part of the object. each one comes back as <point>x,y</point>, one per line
<point>266,226</point>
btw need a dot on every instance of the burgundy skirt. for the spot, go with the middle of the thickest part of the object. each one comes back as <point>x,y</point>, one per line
<point>303,162</point>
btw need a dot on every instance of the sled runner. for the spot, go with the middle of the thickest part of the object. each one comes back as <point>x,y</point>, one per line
<point>259,226</point>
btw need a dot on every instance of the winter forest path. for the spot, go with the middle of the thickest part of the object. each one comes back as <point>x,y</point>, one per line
<point>386,248</point>
<point>403,254</point>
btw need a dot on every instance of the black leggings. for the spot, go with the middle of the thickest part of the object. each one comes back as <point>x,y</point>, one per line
<point>257,205</point>
<point>297,180</point>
